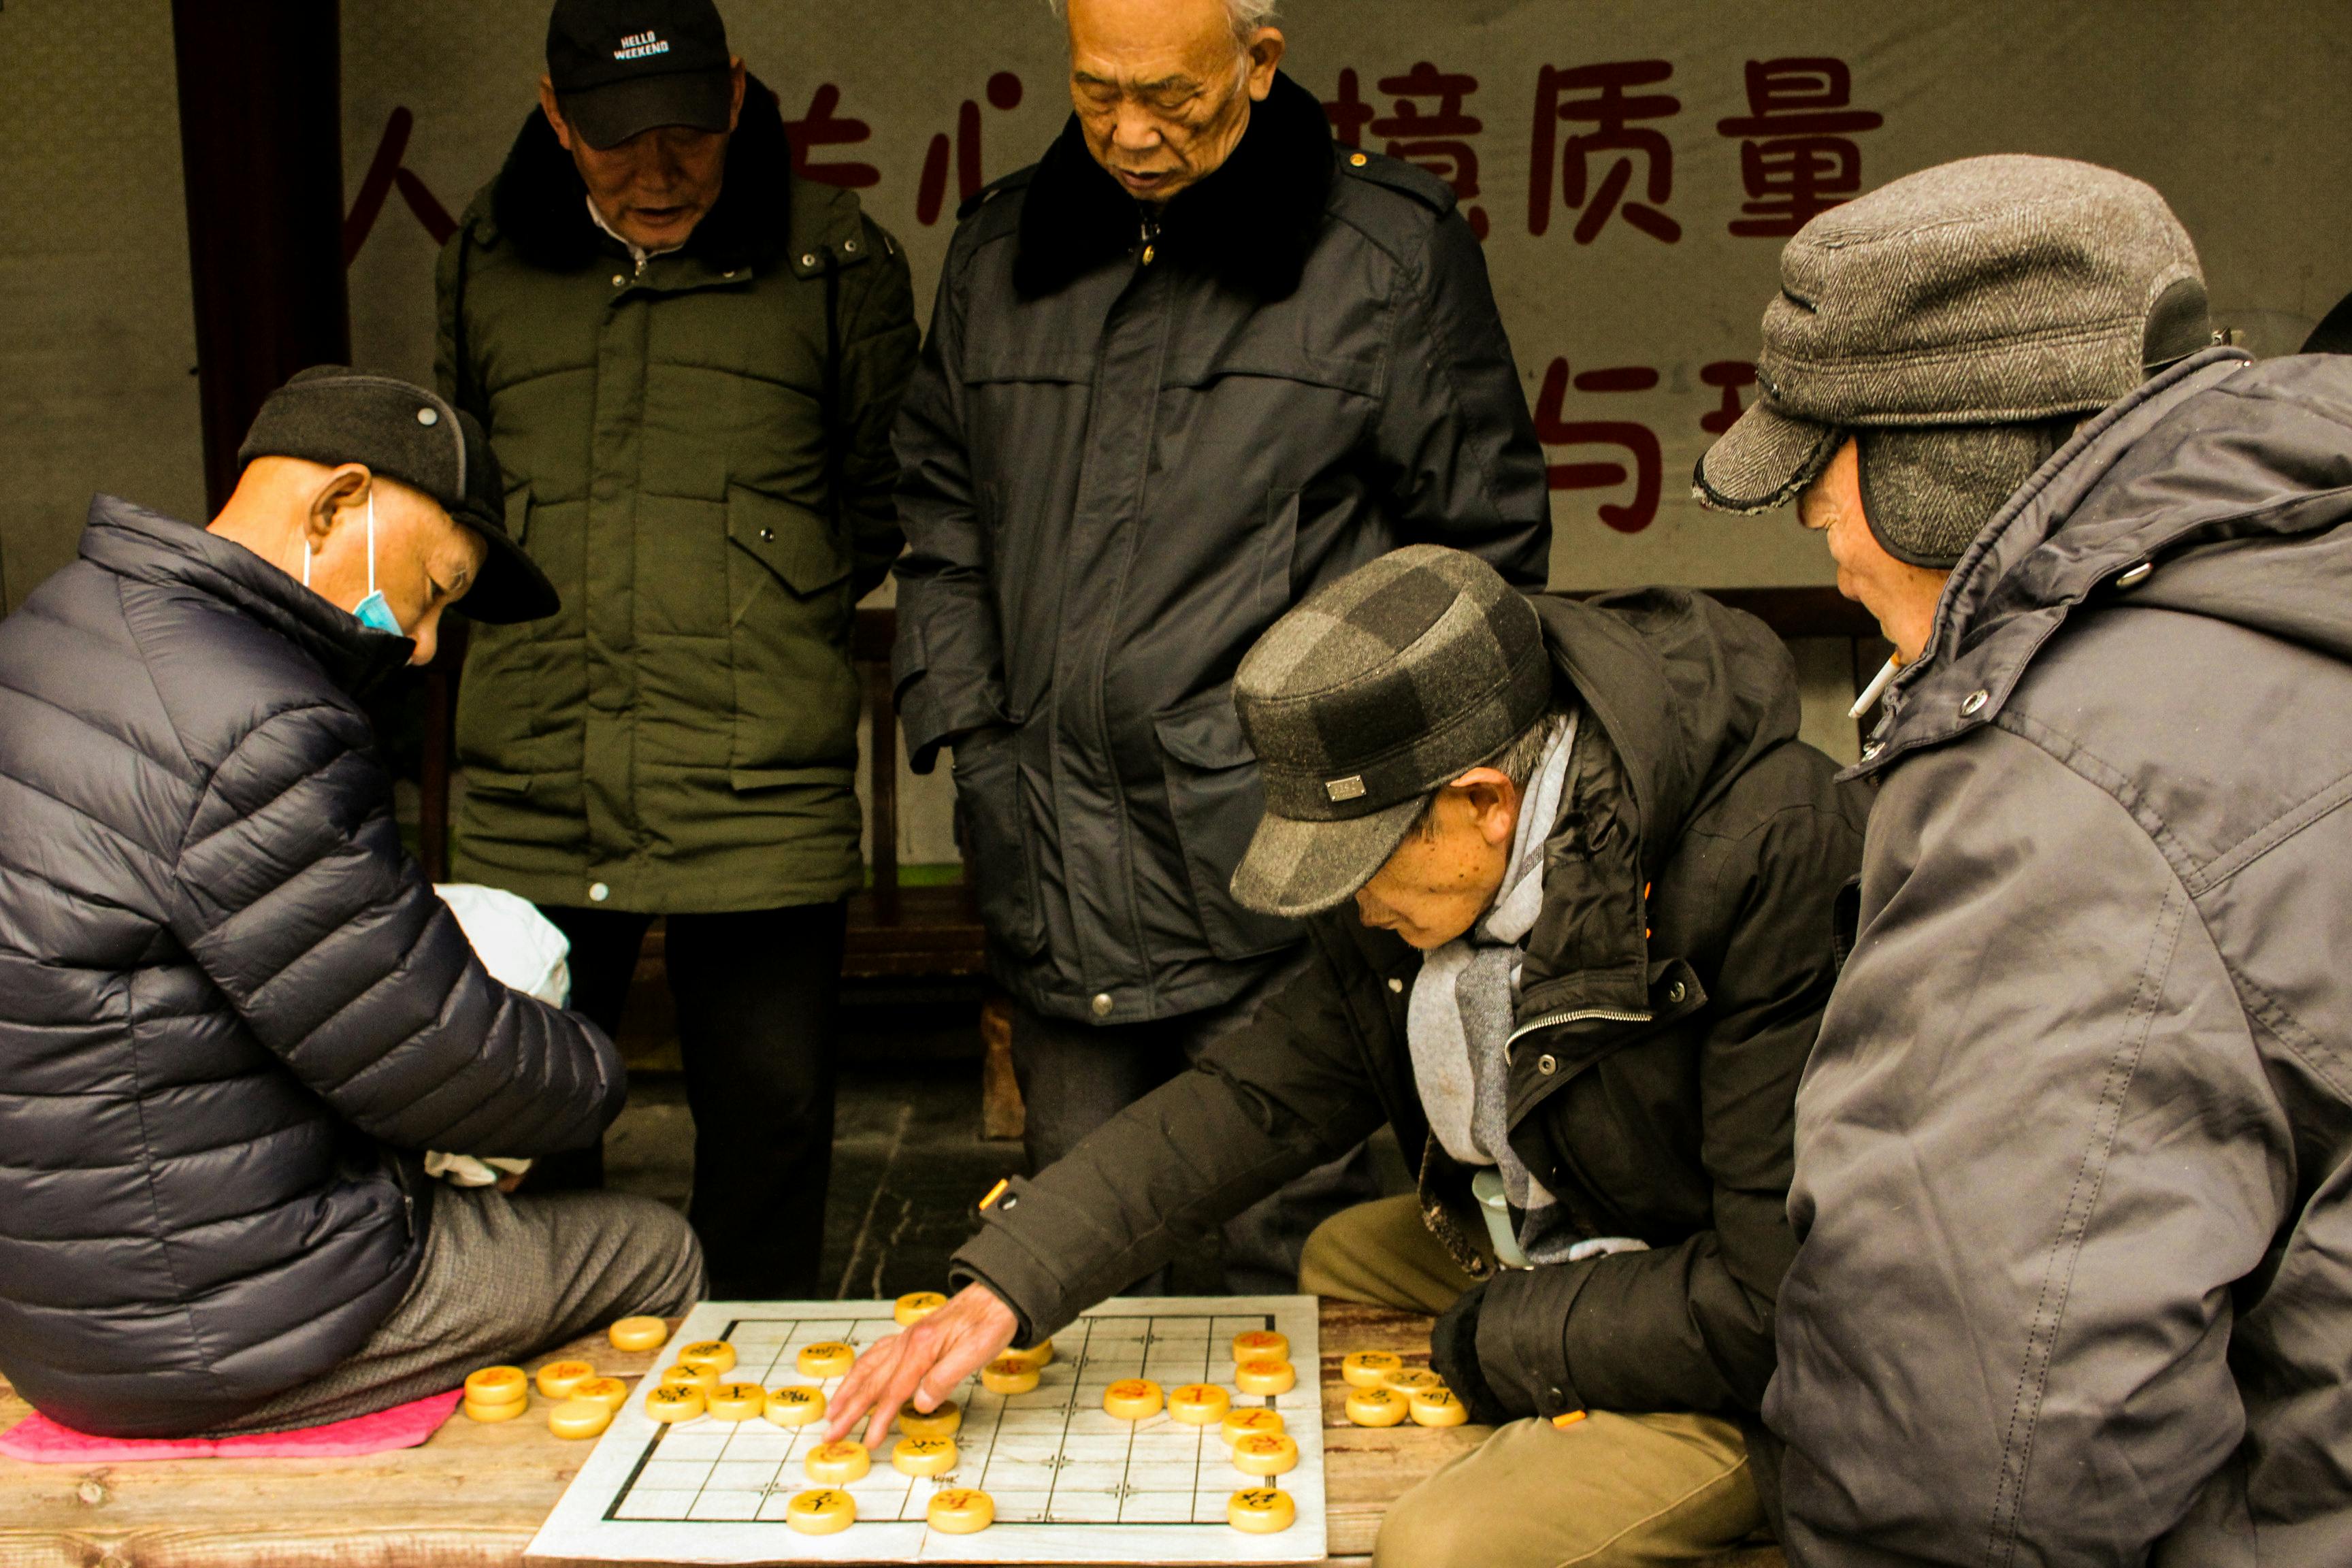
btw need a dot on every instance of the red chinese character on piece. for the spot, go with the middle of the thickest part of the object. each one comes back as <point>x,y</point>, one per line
<point>1610,112</point>
<point>1435,138</point>
<point>930,195</point>
<point>820,127</point>
<point>1730,375</point>
<point>1349,113</point>
<point>1553,430</point>
<point>1796,158</point>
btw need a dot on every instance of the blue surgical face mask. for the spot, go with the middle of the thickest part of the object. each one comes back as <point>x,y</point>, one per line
<point>374,612</point>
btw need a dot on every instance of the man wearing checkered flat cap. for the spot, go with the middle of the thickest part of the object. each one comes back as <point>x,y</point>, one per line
<point>2074,1275</point>
<point>1568,876</point>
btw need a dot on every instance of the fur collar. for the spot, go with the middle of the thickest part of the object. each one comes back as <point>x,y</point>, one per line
<point>541,206</point>
<point>1250,225</point>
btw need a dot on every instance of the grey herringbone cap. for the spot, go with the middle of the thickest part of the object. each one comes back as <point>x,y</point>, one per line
<point>1998,290</point>
<point>1371,692</point>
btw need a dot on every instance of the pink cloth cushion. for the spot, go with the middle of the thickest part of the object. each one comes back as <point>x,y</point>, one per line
<point>44,1442</point>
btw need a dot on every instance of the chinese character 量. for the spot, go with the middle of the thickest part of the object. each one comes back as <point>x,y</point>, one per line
<point>1796,157</point>
<point>1610,112</point>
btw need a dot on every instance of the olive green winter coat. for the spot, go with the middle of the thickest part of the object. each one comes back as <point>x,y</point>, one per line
<point>682,736</point>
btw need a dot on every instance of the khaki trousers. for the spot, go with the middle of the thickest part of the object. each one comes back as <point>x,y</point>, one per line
<point>1608,1492</point>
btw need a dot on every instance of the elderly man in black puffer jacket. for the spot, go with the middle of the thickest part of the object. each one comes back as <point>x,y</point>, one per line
<point>233,1014</point>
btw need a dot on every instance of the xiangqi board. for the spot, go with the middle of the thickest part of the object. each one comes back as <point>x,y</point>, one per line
<point>1070,1483</point>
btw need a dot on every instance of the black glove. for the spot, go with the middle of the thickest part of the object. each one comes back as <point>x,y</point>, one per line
<point>1453,1356</point>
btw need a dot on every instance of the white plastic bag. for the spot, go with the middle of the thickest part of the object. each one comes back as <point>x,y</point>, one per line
<point>520,946</point>
<point>522,950</point>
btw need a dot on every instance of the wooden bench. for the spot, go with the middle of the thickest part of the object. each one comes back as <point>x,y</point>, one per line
<point>472,1496</point>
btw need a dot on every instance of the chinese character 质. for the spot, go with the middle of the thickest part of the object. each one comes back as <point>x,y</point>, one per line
<point>1611,114</point>
<point>1797,158</point>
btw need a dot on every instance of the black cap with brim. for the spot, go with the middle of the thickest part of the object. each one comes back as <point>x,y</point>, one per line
<point>609,115</point>
<point>1294,868</point>
<point>1764,461</point>
<point>331,413</point>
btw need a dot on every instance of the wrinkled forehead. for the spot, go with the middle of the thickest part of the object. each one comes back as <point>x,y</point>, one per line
<point>1149,44</point>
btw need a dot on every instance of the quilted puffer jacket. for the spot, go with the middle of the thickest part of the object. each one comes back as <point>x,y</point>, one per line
<point>232,1012</point>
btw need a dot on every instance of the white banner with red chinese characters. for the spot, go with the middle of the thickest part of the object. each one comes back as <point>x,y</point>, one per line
<point>1633,168</point>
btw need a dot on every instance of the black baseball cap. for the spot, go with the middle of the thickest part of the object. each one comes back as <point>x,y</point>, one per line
<point>622,67</point>
<point>332,414</point>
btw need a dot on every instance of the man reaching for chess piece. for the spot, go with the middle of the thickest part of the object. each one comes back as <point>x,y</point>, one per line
<point>1594,872</point>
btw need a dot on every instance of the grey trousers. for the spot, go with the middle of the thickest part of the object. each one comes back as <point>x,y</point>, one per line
<point>1075,1075</point>
<point>503,1278</point>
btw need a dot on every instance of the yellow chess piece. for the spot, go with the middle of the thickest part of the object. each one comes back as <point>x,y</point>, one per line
<point>1040,1355</point>
<point>609,1392</point>
<point>1265,1377</point>
<point>824,1512</point>
<point>832,1359</point>
<point>1406,1380</point>
<point>915,1307</point>
<point>1376,1406</point>
<point>561,1379</point>
<point>1261,1510</point>
<point>576,1419</point>
<point>923,1455</point>
<point>837,1464</point>
<point>497,1386</point>
<point>674,1402</point>
<point>1266,1453</point>
<point>1240,1424</point>
<point>1369,1369</point>
<point>1132,1398</point>
<point>1437,1407</point>
<point>795,1405</point>
<point>685,1376</point>
<point>960,1510</point>
<point>716,1354</point>
<point>1198,1404</point>
<point>638,1334</point>
<point>1261,1344</point>
<point>489,1413</point>
<point>1005,1375</point>
<point>943,1421</point>
<point>735,1402</point>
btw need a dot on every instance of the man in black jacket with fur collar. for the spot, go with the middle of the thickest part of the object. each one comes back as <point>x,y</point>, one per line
<point>1192,364</point>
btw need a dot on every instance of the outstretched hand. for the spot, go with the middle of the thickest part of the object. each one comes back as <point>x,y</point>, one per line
<point>924,1364</point>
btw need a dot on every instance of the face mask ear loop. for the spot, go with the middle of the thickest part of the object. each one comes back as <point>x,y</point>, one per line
<point>371,527</point>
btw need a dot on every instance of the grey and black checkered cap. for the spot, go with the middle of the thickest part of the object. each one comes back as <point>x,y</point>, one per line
<point>1388,684</point>
<point>2005,290</point>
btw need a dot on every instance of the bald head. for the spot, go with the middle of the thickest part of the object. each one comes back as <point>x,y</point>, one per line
<point>1163,87</point>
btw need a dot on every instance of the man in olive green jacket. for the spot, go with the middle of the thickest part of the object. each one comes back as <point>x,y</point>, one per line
<point>689,358</point>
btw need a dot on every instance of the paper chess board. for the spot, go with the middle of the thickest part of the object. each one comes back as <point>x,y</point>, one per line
<point>1071,1483</point>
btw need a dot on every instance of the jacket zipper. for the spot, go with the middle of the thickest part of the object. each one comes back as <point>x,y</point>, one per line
<point>1578,1016</point>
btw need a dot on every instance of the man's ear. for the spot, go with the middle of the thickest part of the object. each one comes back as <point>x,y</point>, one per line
<point>345,486</point>
<point>735,110</point>
<point>1493,803</point>
<point>1265,50</point>
<point>554,110</point>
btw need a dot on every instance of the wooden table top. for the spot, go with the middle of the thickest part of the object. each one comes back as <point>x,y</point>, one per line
<point>472,1496</point>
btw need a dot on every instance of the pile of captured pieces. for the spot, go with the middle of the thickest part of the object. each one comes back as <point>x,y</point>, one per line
<point>1382,1392</point>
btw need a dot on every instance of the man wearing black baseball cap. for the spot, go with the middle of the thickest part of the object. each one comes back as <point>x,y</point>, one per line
<point>690,356</point>
<point>1567,874</point>
<point>233,1014</point>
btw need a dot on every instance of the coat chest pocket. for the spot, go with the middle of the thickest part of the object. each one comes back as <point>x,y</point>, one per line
<point>1215,799</point>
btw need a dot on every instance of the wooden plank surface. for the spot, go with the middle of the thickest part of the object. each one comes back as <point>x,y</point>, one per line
<point>472,1496</point>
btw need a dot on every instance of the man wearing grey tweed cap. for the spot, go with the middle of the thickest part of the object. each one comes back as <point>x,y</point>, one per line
<point>1568,876</point>
<point>2074,1274</point>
